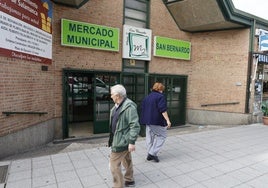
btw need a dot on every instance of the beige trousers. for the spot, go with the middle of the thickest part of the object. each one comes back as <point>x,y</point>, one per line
<point>116,159</point>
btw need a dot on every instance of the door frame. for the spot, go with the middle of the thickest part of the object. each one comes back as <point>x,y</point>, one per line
<point>180,118</point>
<point>147,85</point>
<point>65,89</point>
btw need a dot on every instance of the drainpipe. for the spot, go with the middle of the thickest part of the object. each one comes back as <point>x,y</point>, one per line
<point>250,64</point>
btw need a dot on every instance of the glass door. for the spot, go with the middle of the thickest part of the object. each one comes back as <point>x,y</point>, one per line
<point>87,102</point>
<point>135,86</point>
<point>175,92</point>
<point>78,104</point>
<point>102,100</point>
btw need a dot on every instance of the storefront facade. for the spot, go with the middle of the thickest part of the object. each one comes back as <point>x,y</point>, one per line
<point>208,83</point>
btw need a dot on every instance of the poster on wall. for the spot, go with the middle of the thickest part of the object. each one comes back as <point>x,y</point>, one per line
<point>137,43</point>
<point>263,40</point>
<point>26,30</point>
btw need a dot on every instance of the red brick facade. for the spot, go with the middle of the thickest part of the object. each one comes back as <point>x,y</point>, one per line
<point>219,61</point>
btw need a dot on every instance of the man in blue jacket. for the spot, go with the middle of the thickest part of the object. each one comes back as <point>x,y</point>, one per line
<point>154,115</point>
<point>124,131</point>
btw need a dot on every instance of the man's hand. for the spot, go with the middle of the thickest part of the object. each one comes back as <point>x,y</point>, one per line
<point>131,147</point>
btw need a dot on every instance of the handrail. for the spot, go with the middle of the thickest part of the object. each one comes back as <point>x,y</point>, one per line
<point>217,104</point>
<point>38,113</point>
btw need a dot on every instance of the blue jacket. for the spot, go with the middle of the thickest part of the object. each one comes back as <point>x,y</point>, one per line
<point>152,108</point>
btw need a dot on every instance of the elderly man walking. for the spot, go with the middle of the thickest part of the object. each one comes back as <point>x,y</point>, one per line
<point>124,130</point>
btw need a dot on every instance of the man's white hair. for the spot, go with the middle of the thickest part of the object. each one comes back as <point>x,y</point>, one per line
<point>119,89</point>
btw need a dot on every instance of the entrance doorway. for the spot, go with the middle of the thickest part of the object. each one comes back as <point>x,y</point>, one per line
<point>175,92</point>
<point>139,85</point>
<point>87,102</point>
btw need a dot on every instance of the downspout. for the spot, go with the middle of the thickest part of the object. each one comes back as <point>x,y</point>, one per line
<point>64,105</point>
<point>250,64</point>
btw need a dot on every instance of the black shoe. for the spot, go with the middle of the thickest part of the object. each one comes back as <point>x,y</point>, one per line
<point>150,157</point>
<point>156,159</point>
<point>130,183</point>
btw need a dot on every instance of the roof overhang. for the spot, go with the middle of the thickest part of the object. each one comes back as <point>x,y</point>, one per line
<point>208,15</point>
<point>71,3</point>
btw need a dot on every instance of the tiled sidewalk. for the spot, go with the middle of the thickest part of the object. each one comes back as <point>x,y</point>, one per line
<point>231,157</point>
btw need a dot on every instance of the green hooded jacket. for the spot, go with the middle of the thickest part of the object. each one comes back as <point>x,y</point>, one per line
<point>127,127</point>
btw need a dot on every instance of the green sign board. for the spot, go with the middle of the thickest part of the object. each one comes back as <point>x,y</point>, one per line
<point>172,48</point>
<point>85,35</point>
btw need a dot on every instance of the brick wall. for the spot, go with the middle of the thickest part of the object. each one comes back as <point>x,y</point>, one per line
<point>219,65</point>
<point>107,13</point>
<point>24,88</point>
<point>219,61</point>
<point>162,24</point>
